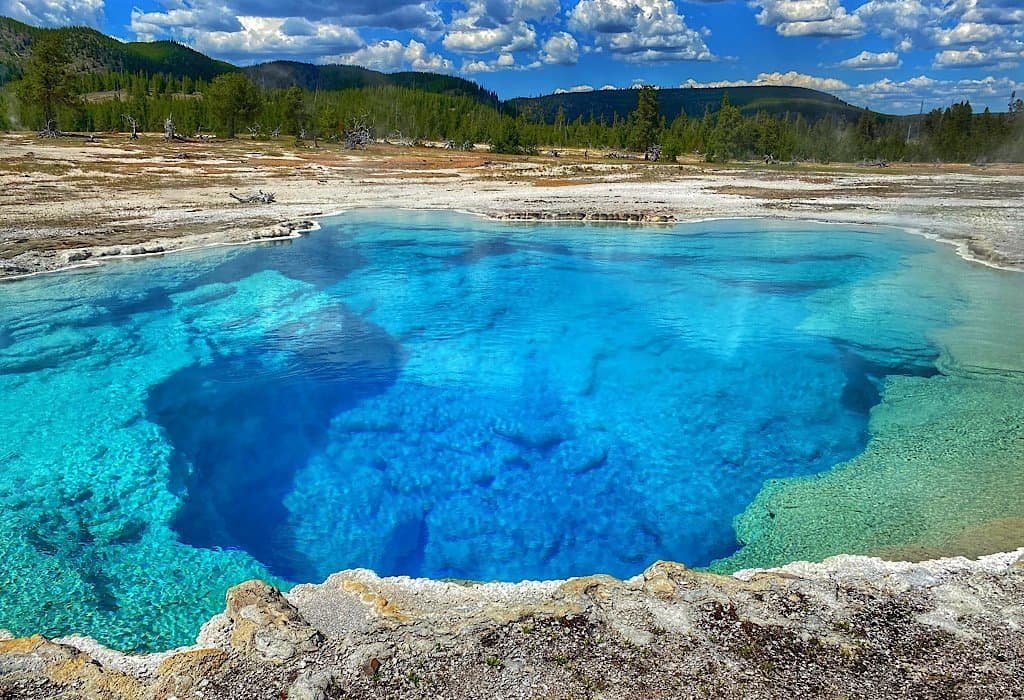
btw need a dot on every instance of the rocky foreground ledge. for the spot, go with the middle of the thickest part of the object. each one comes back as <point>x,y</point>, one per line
<point>851,627</point>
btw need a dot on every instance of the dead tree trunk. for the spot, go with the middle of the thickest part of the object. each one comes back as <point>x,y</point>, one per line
<point>133,124</point>
<point>50,131</point>
<point>257,197</point>
<point>358,135</point>
<point>169,133</point>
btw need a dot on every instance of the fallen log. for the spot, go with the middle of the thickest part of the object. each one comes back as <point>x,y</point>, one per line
<point>257,197</point>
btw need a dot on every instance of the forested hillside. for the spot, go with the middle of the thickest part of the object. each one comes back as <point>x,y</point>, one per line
<point>778,101</point>
<point>93,52</point>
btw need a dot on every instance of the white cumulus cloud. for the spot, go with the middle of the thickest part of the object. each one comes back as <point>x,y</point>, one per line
<point>268,37</point>
<point>809,18</point>
<point>561,49</point>
<point>54,13</point>
<point>639,30</point>
<point>392,55</point>
<point>790,78</point>
<point>576,88</point>
<point>866,60</point>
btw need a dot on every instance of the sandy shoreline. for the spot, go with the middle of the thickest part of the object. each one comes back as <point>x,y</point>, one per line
<point>68,204</point>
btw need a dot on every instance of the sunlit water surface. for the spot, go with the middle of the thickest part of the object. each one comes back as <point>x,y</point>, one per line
<point>432,395</point>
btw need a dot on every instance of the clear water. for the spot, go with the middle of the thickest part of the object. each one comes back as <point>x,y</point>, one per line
<point>431,395</point>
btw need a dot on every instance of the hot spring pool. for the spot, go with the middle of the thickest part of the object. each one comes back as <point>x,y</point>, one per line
<point>436,395</point>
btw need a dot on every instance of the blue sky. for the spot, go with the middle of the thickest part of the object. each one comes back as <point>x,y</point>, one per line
<point>887,54</point>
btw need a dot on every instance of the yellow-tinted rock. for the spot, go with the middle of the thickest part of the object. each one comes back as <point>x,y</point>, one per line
<point>265,624</point>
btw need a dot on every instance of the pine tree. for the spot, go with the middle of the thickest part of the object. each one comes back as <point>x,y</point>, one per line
<point>48,84</point>
<point>646,119</point>
<point>234,101</point>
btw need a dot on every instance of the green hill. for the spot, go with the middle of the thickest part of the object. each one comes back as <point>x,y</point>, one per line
<point>94,52</point>
<point>778,101</point>
<point>281,74</point>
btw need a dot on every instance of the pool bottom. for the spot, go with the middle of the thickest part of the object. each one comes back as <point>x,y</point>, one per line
<point>111,575</point>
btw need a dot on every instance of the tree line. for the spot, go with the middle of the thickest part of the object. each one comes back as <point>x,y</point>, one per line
<point>232,104</point>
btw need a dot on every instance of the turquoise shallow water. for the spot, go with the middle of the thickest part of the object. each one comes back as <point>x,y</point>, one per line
<point>434,395</point>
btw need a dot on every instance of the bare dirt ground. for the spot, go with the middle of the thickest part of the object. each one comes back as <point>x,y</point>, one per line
<point>67,202</point>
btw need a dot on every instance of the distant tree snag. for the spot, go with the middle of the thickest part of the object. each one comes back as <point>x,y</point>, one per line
<point>358,135</point>
<point>133,124</point>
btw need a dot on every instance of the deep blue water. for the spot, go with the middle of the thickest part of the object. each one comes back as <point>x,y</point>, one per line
<point>426,394</point>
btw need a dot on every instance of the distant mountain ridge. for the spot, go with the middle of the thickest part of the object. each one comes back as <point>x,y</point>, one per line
<point>93,51</point>
<point>283,74</point>
<point>778,101</point>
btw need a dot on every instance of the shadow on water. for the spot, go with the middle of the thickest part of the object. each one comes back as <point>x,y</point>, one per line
<point>242,425</point>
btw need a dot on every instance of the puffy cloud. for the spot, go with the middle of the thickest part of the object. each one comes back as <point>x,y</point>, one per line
<point>907,95</point>
<point>504,61</point>
<point>989,27</point>
<point>899,18</point>
<point>967,33</point>
<point>504,11</point>
<point>466,37</point>
<point>183,19</point>
<point>974,57</point>
<point>791,78</point>
<point>886,94</point>
<point>396,14</point>
<point>867,60</point>
<point>561,49</point>
<point>265,37</point>
<point>392,55</point>
<point>54,13</point>
<point>993,11</point>
<point>639,30</point>
<point>578,88</point>
<point>506,26</point>
<point>800,80</point>
<point>809,18</point>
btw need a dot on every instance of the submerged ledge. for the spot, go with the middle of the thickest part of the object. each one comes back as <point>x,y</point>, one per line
<point>849,625</point>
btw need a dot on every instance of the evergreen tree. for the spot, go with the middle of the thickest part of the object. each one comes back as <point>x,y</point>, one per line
<point>234,101</point>
<point>726,139</point>
<point>48,84</point>
<point>293,110</point>
<point>646,119</point>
